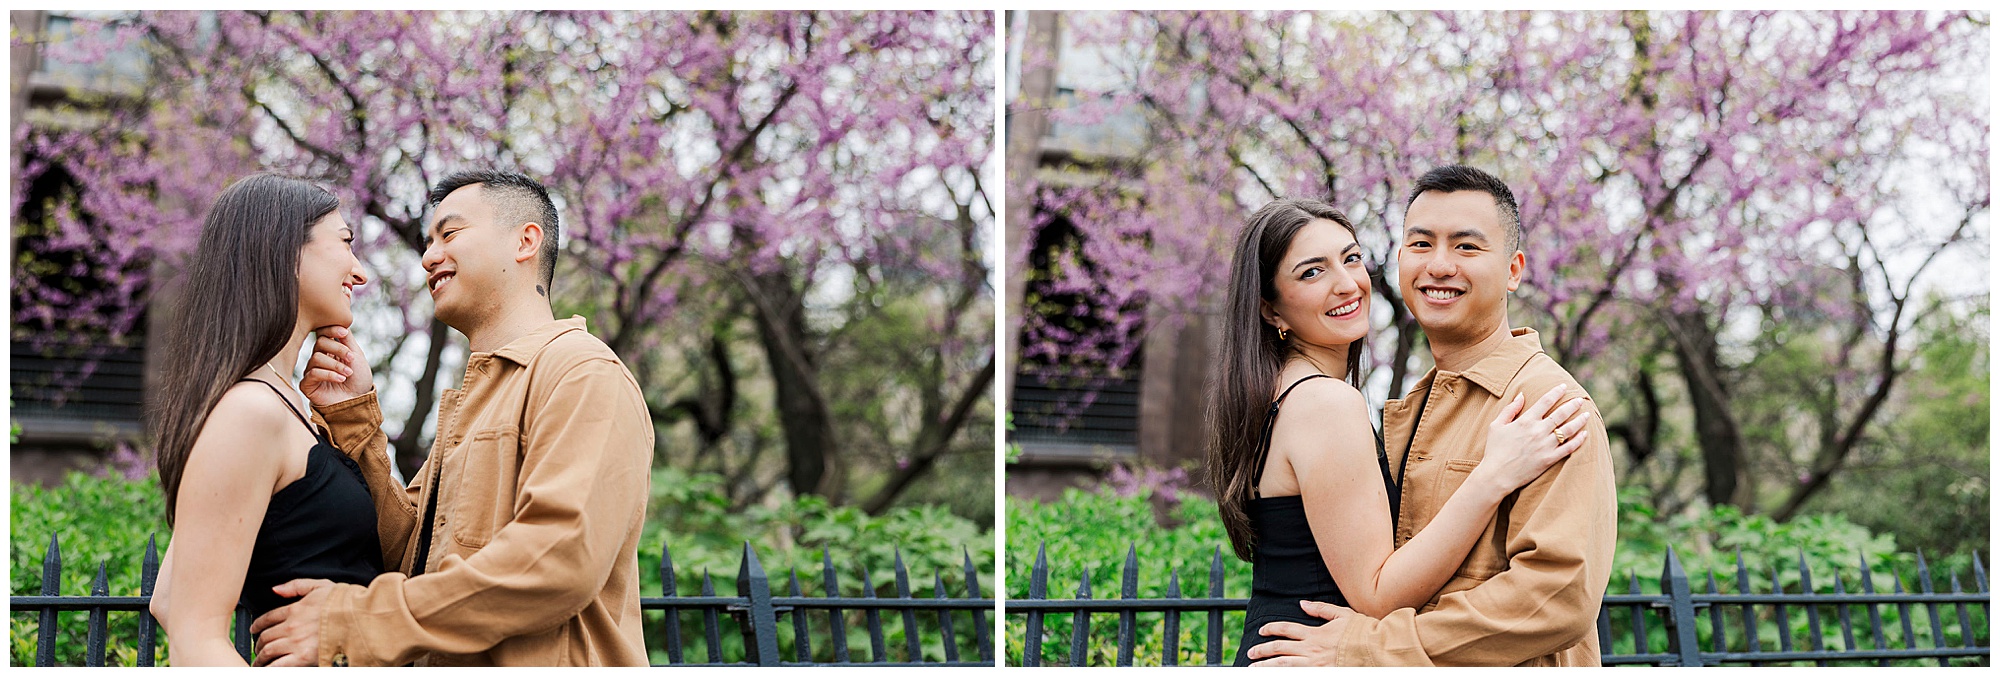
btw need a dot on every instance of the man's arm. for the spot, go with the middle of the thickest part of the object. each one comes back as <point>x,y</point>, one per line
<point>1562,529</point>
<point>343,397</point>
<point>584,475</point>
<point>356,428</point>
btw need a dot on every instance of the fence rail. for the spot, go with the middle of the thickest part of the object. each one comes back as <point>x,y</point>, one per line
<point>1681,613</point>
<point>754,609</point>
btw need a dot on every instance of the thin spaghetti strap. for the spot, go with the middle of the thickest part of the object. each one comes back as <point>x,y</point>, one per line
<point>1270,423</point>
<point>1288,390</point>
<point>288,404</point>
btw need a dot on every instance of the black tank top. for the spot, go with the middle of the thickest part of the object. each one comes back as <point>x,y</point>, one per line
<point>322,525</point>
<point>1286,565</point>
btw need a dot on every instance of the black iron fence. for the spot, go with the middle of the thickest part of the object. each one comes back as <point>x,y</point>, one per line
<point>755,612</point>
<point>1676,627</point>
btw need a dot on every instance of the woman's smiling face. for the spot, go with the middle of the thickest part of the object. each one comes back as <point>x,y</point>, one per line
<point>1322,287</point>
<point>328,274</point>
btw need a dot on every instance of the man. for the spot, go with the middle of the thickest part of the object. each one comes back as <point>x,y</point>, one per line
<point>1529,592</point>
<point>517,543</point>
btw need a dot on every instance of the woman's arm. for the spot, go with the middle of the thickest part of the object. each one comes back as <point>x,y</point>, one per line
<point>1348,507</point>
<point>232,470</point>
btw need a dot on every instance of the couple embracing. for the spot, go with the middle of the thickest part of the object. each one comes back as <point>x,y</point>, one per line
<point>517,541</point>
<point>1477,528</point>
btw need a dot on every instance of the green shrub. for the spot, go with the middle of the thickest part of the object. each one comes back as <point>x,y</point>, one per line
<point>108,520</point>
<point>1093,532</point>
<point>96,521</point>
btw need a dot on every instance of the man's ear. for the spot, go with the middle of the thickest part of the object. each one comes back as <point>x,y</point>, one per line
<point>1517,266</point>
<point>528,243</point>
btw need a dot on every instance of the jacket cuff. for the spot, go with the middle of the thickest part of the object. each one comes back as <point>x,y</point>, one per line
<point>1356,646</point>
<point>361,410</point>
<point>333,627</point>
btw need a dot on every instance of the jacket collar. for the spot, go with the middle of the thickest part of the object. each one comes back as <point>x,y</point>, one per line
<point>525,348</point>
<point>1497,369</point>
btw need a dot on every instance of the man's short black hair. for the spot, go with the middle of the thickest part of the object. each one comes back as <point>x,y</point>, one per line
<point>1455,178</point>
<point>518,199</point>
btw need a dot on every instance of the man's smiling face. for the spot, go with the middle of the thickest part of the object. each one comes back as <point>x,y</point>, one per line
<point>1455,267</point>
<point>466,257</point>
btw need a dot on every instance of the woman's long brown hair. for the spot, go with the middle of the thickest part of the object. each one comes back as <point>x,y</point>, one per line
<point>237,309</point>
<point>1252,355</point>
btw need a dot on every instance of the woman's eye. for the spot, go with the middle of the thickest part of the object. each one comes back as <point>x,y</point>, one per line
<point>1353,259</point>
<point>1311,273</point>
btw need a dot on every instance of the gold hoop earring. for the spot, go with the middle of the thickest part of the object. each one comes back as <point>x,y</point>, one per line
<point>1281,334</point>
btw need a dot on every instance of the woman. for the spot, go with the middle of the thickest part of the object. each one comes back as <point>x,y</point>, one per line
<point>258,496</point>
<point>1305,497</point>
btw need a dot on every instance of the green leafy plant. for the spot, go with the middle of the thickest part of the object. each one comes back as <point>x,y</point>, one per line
<point>1089,534</point>
<point>108,519</point>
<point>96,520</point>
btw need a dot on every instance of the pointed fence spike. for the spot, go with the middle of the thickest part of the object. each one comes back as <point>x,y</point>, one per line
<point>45,633</point>
<point>1038,577</point>
<point>1874,610</point>
<point>149,570</point>
<point>1923,571</point>
<point>670,616</point>
<point>1129,584</point>
<point>1978,572</point>
<point>878,643</point>
<point>1215,574</point>
<point>1170,652</point>
<point>801,632</point>
<point>981,631</point>
<point>711,619</point>
<point>1128,619</point>
<point>1748,613</point>
<point>52,567</point>
<point>1079,638</point>
<point>1931,606</point>
<point>1966,638</point>
<point>949,637</point>
<point>1778,611</point>
<point>1214,654</point>
<point>759,622</point>
<point>1844,613</point>
<point>902,576</point>
<point>912,647</point>
<point>836,619</point>
<point>667,581</point>
<point>100,586</point>
<point>149,574</point>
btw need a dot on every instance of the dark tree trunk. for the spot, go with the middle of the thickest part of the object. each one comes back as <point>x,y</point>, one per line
<point>1716,430</point>
<point>802,409</point>
<point>410,451</point>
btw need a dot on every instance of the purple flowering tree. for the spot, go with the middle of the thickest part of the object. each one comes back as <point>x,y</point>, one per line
<point>784,170</point>
<point>1681,175</point>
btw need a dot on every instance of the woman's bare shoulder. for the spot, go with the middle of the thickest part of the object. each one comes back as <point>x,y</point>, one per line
<point>238,436</point>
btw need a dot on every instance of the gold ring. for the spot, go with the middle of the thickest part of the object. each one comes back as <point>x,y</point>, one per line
<point>1560,438</point>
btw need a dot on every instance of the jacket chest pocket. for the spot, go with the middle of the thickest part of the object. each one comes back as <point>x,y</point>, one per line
<point>482,479</point>
<point>1488,556</point>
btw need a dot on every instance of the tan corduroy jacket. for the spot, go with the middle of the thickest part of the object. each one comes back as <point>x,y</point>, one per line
<point>544,453</point>
<point>1528,593</point>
